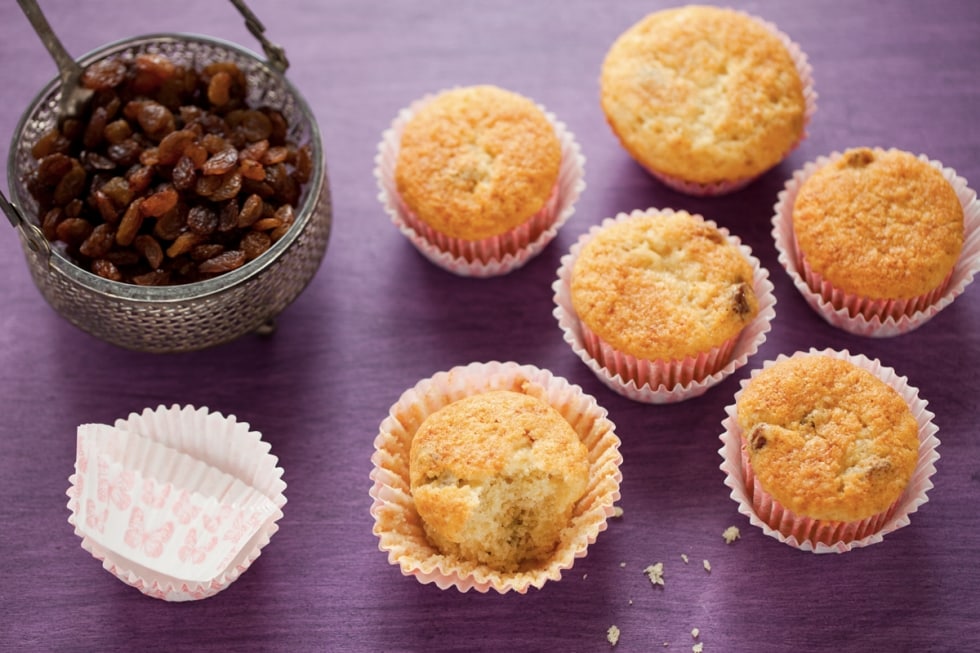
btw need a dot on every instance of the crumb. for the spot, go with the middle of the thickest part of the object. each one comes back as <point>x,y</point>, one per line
<point>655,573</point>
<point>612,635</point>
<point>707,566</point>
<point>631,601</point>
<point>731,534</point>
<point>695,632</point>
<point>684,558</point>
<point>617,511</point>
<point>584,576</point>
<point>666,644</point>
<point>697,648</point>
<point>622,564</point>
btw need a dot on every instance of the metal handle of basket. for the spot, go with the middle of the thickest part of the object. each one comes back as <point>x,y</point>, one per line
<point>35,239</point>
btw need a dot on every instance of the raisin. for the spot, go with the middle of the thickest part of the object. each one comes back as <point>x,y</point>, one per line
<point>130,223</point>
<point>149,248</point>
<point>221,162</point>
<point>202,220</point>
<point>52,168</point>
<point>155,119</point>
<point>122,257</point>
<point>254,151</point>
<point>251,169</point>
<point>49,224</point>
<point>125,153</point>
<point>107,209</point>
<point>106,270</point>
<point>155,64</point>
<point>104,75</point>
<point>139,177</point>
<point>74,231</point>
<point>118,190</point>
<point>117,131</point>
<point>172,145</point>
<point>70,186</point>
<point>219,89</point>
<point>170,225</point>
<point>159,202</point>
<point>184,243</point>
<point>275,155</point>
<point>254,243</point>
<point>228,217</point>
<point>50,143</point>
<point>183,176</point>
<point>92,161</point>
<point>304,165</point>
<point>225,262</point>
<point>204,251</point>
<point>251,211</point>
<point>94,129</point>
<point>267,224</point>
<point>231,184</point>
<point>152,278</point>
<point>99,242</point>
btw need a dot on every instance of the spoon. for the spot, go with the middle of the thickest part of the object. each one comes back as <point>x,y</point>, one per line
<point>74,97</point>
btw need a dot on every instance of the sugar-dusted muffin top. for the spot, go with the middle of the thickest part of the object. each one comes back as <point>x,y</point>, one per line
<point>663,286</point>
<point>703,94</point>
<point>478,161</point>
<point>495,477</point>
<point>827,439</point>
<point>879,224</point>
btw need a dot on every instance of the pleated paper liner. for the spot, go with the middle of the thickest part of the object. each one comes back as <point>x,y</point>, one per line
<point>397,523</point>
<point>860,315</point>
<point>488,257</point>
<point>177,502</point>
<point>823,536</point>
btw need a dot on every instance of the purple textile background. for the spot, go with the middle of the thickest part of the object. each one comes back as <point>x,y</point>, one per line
<point>378,317</point>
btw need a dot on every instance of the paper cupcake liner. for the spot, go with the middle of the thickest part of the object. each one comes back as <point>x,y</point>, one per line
<point>490,256</point>
<point>823,536</point>
<point>805,71</point>
<point>659,382</point>
<point>397,523</point>
<point>863,316</point>
<point>176,502</point>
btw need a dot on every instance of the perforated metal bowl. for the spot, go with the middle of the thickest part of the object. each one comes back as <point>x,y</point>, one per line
<point>194,315</point>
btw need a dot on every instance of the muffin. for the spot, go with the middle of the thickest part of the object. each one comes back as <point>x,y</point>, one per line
<point>706,99</point>
<point>493,476</point>
<point>829,447</point>
<point>660,299</point>
<point>479,178</point>
<point>876,234</point>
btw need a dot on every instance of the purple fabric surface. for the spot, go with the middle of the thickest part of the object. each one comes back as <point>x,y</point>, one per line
<point>378,317</point>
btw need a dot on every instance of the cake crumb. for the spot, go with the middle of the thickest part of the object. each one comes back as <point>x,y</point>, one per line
<point>695,632</point>
<point>697,648</point>
<point>631,601</point>
<point>584,576</point>
<point>622,564</point>
<point>731,534</point>
<point>707,566</point>
<point>655,573</point>
<point>684,558</point>
<point>617,511</point>
<point>612,635</point>
<point>666,644</point>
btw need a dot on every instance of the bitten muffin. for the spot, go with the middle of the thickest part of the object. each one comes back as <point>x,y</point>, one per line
<point>827,440</point>
<point>476,162</point>
<point>703,95</point>
<point>495,477</point>
<point>877,224</point>
<point>663,286</point>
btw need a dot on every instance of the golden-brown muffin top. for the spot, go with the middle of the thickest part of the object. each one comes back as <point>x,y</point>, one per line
<point>495,477</point>
<point>879,224</point>
<point>663,286</point>
<point>703,94</point>
<point>478,161</point>
<point>827,439</point>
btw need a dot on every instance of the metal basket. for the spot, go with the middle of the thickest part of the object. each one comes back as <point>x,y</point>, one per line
<point>194,315</point>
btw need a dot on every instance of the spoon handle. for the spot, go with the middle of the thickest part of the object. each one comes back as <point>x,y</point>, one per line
<point>68,68</point>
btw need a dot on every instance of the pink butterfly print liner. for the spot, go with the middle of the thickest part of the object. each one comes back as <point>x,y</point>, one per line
<point>176,502</point>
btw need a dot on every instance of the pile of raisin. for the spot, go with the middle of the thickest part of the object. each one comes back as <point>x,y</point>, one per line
<point>170,177</point>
